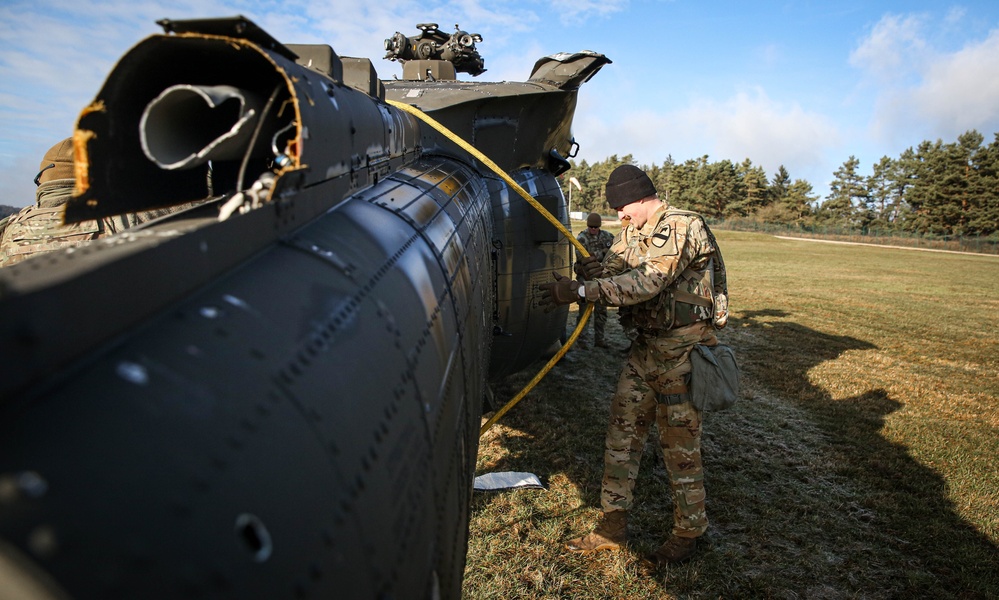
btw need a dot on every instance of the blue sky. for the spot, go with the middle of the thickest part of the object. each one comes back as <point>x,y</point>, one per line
<point>802,84</point>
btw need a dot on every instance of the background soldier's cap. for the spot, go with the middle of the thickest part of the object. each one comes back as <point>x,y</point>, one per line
<point>593,220</point>
<point>57,163</point>
<point>628,184</point>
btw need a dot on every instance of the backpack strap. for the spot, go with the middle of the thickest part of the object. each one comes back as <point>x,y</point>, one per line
<point>719,279</point>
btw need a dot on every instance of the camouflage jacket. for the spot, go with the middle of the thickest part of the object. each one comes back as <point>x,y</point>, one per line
<point>39,228</point>
<point>662,272</point>
<point>596,245</point>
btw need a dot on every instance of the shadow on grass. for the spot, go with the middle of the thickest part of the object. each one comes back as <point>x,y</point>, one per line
<point>882,519</point>
<point>805,495</point>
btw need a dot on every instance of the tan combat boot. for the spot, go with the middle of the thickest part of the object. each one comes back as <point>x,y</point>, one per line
<point>675,550</point>
<point>609,534</point>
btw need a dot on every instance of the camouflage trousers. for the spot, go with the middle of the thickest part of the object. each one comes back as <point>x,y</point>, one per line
<point>598,318</point>
<point>650,390</point>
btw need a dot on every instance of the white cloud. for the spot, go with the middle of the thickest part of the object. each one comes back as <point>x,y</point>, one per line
<point>746,125</point>
<point>54,58</point>
<point>955,15</point>
<point>960,91</point>
<point>772,133</point>
<point>770,54</point>
<point>56,54</point>
<point>921,92</point>
<point>572,12</point>
<point>357,27</point>
<point>894,46</point>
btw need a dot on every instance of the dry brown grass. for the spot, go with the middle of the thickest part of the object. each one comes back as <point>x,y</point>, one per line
<point>861,462</point>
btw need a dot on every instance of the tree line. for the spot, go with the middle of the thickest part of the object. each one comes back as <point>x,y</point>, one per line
<point>934,189</point>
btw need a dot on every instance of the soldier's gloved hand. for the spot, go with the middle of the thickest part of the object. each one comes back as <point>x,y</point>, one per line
<point>561,291</point>
<point>588,268</point>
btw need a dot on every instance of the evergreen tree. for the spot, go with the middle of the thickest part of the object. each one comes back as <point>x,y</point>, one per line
<point>882,200</point>
<point>799,203</point>
<point>779,185</point>
<point>934,189</point>
<point>663,178</point>
<point>846,192</point>
<point>752,190</point>
<point>966,190</point>
<point>940,197</point>
<point>903,178</point>
<point>985,220</point>
<point>691,185</point>
<point>920,196</point>
<point>794,207</point>
<point>721,190</point>
<point>581,171</point>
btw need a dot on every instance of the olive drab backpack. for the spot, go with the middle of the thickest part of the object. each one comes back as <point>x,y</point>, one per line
<point>719,284</point>
<point>714,371</point>
<point>703,291</point>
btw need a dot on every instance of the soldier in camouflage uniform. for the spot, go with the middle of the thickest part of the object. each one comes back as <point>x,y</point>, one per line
<point>39,228</point>
<point>661,270</point>
<point>596,241</point>
<point>22,234</point>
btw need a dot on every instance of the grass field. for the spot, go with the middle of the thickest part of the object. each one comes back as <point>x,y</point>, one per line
<point>861,462</point>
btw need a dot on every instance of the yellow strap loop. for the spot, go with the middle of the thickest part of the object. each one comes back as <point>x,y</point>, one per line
<point>541,374</point>
<point>544,212</point>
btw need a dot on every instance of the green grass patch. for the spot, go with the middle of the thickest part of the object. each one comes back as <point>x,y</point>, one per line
<point>861,461</point>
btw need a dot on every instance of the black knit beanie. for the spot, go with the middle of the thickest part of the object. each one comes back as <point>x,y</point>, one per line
<point>628,184</point>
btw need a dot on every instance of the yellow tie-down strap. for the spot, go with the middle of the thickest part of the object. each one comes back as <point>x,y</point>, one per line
<point>419,114</point>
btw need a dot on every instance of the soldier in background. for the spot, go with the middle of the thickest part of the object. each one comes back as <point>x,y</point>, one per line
<point>39,228</point>
<point>660,270</point>
<point>597,242</point>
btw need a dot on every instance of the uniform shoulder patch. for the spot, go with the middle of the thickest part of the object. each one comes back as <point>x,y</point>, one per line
<point>661,237</point>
